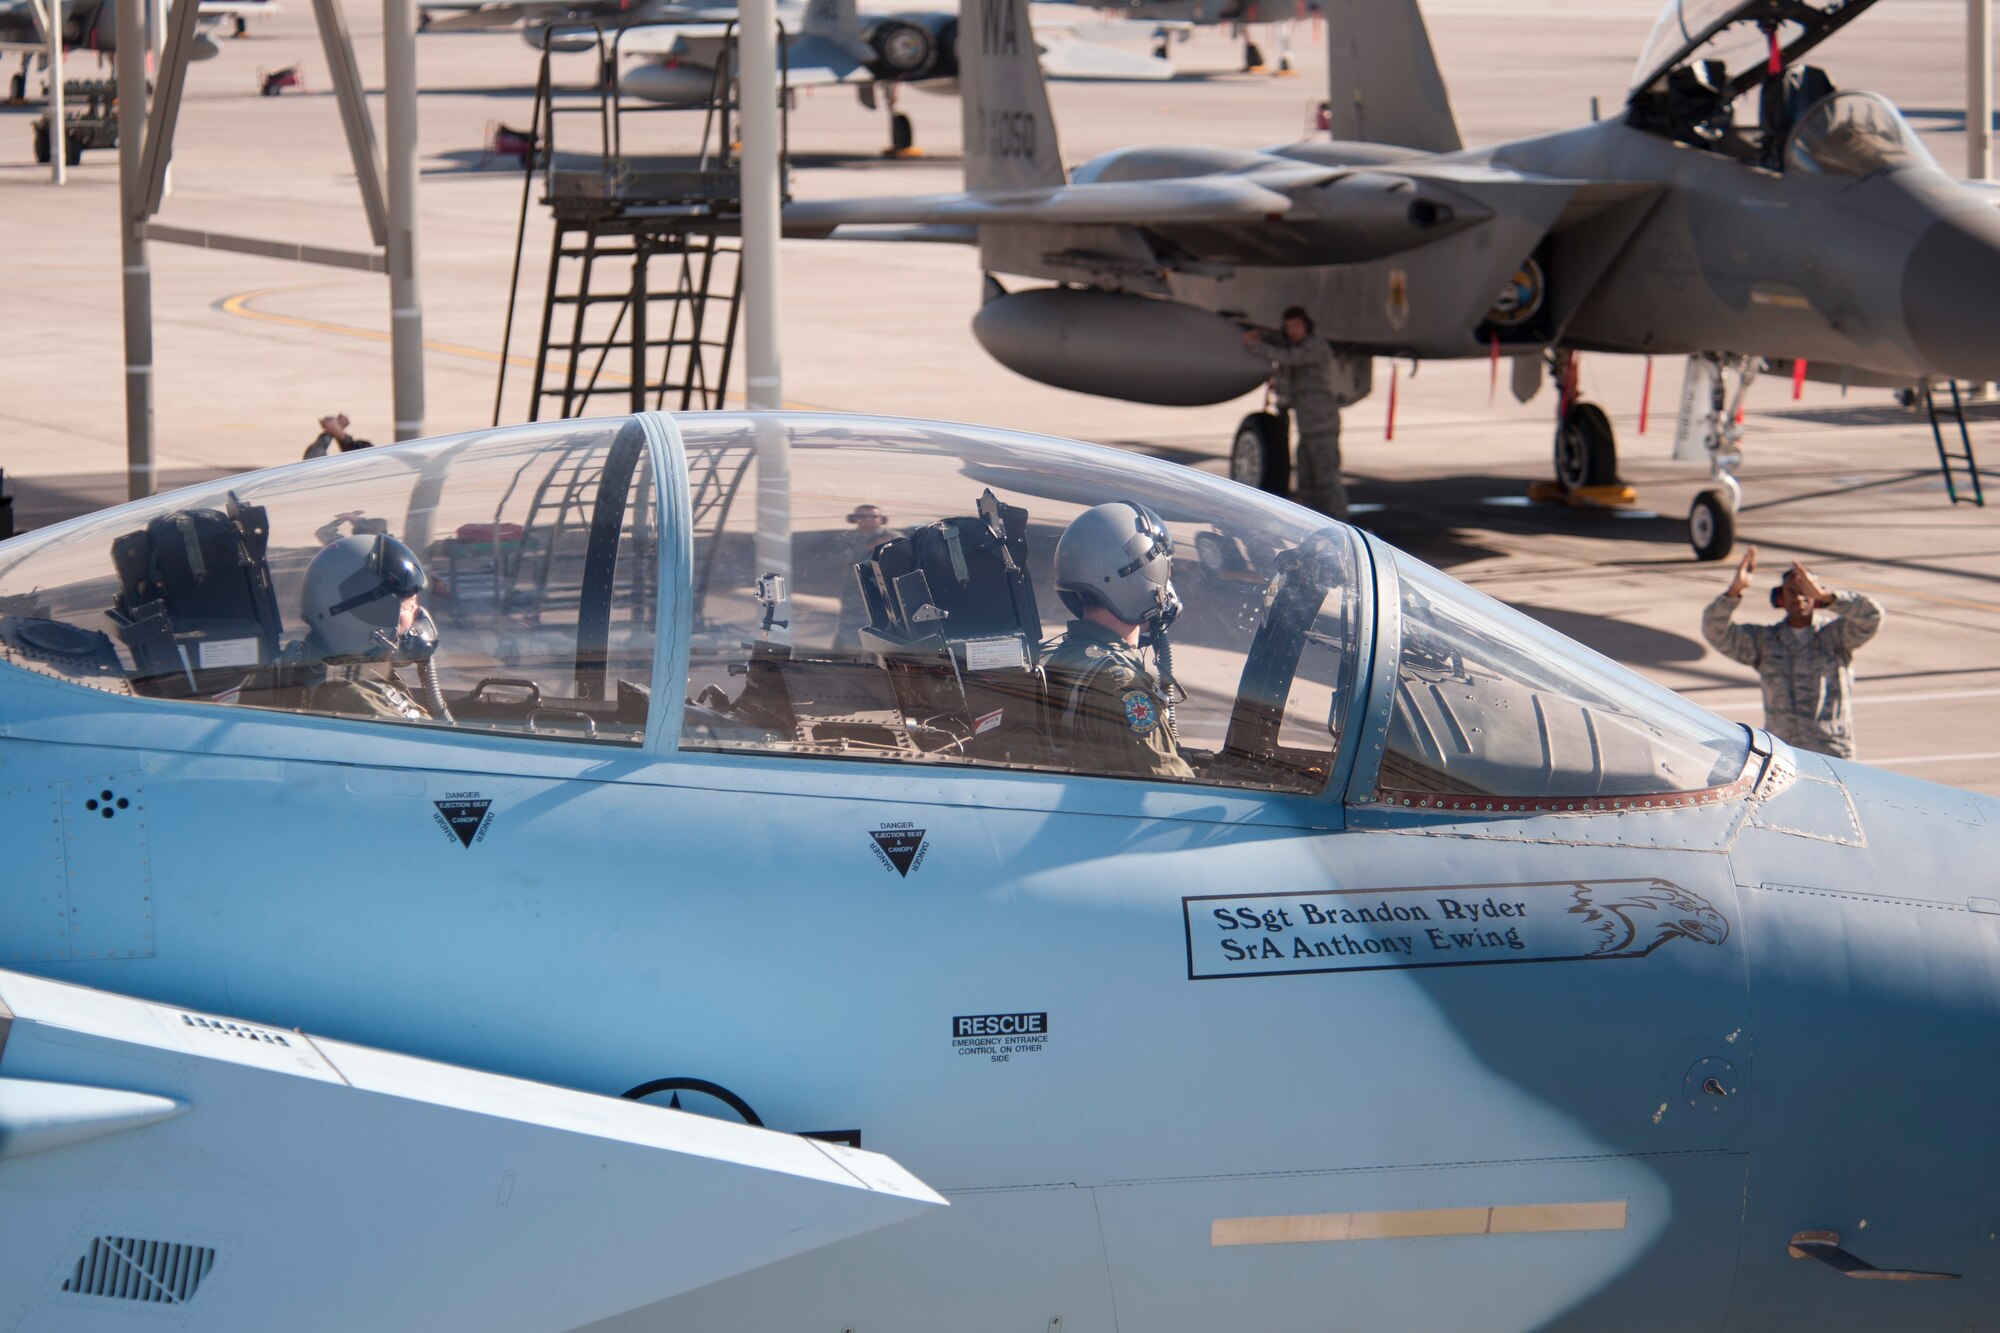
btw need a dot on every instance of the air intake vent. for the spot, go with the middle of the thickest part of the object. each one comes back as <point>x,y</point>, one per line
<point>233,1029</point>
<point>157,1272</point>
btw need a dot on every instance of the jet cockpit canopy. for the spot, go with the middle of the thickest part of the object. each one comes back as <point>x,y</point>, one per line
<point>847,590</point>
<point>1736,33</point>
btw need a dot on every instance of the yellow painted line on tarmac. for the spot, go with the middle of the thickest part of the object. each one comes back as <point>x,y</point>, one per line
<point>240,306</point>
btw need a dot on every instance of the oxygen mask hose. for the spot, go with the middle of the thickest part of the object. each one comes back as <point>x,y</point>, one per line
<point>433,699</point>
<point>1163,659</point>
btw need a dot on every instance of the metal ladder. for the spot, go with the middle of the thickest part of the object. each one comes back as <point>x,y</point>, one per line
<point>622,334</point>
<point>645,274</point>
<point>1946,458</point>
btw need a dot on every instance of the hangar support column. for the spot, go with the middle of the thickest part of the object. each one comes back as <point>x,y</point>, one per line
<point>138,274</point>
<point>406,313</point>
<point>1979,89</point>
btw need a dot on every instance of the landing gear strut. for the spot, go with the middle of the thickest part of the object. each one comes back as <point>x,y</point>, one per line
<point>1586,448</point>
<point>1708,427</point>
<point>902,136</point>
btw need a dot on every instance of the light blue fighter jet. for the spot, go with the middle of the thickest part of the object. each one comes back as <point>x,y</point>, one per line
<point>1455,977</point>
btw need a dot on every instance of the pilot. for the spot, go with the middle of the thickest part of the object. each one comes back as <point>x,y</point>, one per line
<point>1114,571</point>
<point>363,618</point>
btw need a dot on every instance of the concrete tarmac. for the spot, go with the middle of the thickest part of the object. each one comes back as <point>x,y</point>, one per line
<point>252,351</point>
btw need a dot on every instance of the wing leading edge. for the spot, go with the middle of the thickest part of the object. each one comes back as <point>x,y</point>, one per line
<point>437,1197</point>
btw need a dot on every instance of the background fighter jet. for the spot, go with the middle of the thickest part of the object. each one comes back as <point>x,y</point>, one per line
<point>1466,980</point>
<point>679,44</point>
<point>90,25</point>
<point>1741,209</point>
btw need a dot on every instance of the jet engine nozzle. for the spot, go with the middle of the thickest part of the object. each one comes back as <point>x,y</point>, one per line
<point>1085,341</point>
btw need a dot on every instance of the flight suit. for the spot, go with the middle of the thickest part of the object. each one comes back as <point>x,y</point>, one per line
<point>1109,714</point>
<point>1305,385</point>
<point>365,696</point>
<point>1808,677</point>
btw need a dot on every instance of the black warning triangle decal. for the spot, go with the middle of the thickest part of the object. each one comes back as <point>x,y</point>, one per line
<point>464,818</point>
<point>901,846</point>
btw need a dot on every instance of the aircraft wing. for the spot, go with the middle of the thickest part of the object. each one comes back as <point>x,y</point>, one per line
<point>1066,55</point>
<point>1114,203</point>
<point>243,7</point>
<point>811,61</point>
<point>153,1157</point>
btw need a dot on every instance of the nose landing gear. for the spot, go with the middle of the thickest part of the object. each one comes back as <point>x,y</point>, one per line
<point>1709,427</point>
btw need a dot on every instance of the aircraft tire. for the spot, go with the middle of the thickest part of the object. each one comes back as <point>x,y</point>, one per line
<point>902,137</point>
<point>73,148</point>
<point>1261,453</point>
<point>17,87</point>
<point>1711,526</point>
<point>1253,57</point>
<point>41,137</point>
<point>1586,448</point>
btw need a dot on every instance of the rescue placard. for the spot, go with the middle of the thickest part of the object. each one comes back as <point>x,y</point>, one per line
<point>1349,930</point>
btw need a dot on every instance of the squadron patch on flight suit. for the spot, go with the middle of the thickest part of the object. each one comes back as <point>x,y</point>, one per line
<point>1141,713</point>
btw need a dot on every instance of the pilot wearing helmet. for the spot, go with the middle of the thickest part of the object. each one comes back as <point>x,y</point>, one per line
<point>1114,571</point>
<point>363,618</point>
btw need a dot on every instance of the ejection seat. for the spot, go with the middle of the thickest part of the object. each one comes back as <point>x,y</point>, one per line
<point>196,609</point>
<point>952,619</point>
<point>1783,104</point>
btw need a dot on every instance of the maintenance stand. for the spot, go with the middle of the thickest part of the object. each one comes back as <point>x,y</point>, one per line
<point>645,258</point>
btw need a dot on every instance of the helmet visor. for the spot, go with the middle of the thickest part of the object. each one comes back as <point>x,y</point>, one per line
<point>396,574</point>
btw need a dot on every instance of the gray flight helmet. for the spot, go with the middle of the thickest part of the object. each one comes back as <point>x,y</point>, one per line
<point>353,597</point>
<point>1120,557</point>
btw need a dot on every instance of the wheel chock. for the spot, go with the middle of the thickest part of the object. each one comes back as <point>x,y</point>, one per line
<point>911,151</point>
<point>1618,495</point>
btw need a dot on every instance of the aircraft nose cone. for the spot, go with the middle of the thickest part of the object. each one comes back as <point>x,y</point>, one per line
<point>1951,295</point>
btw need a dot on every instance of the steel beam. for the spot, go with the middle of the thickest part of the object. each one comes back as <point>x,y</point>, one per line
<point>132,242</point>
<point>1979,89</point>
<point>354,118</point>
<point>368,261</point>
<point>50,28</point>
<point>159,145</point>
<point>757,76</point>
<point>406,312</point>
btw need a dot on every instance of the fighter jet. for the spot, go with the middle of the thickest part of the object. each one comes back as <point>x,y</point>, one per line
<point>89,25</point>
<point>1439,973</point>
<point>1741,210</point>
<point>678,46</point>
<point>1176,18</point>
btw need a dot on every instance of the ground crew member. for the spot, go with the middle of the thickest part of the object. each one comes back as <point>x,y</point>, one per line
<point>333,433</point>
<point>871,533</point>
<point>1304,365</point>
<point>1114,571</point>
<point>1806,661</point>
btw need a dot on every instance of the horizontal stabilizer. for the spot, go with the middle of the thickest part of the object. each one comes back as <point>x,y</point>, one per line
<point>38,1117</point>
<point>1110,203</point>
<point>422,1195</point>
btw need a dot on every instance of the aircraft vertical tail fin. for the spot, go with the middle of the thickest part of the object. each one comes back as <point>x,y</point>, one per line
<point>1010,135</point>
<point>838,20</point>
<point>1383,84</point>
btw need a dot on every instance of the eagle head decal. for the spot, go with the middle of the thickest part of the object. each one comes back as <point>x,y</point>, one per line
<point>1635,917</point>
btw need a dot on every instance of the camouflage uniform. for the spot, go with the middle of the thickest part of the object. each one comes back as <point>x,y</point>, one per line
<point>1110,714</point>
<point>1808,679</point>
<point>1305,385</point>
<point>374,696</point>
